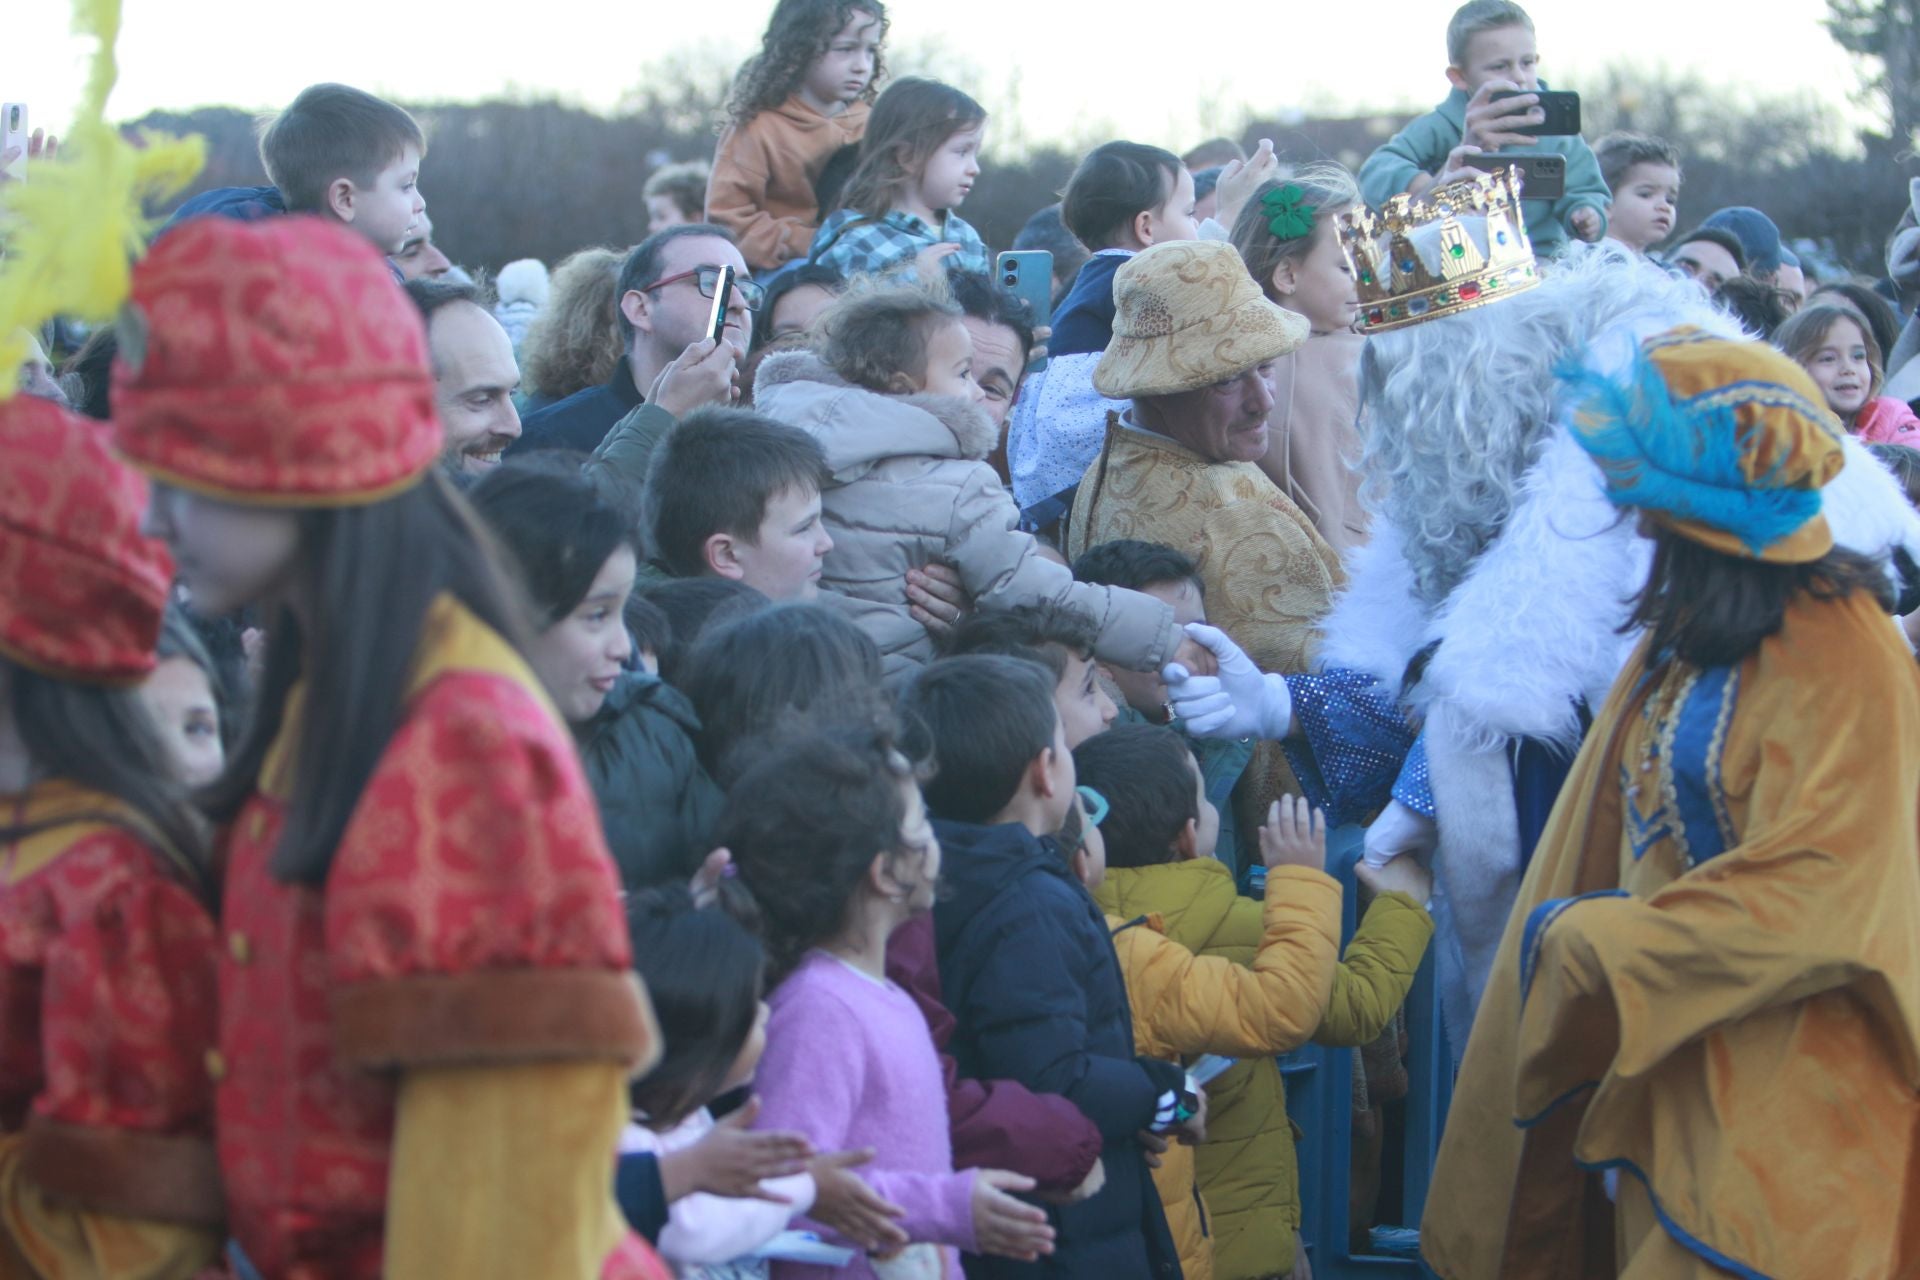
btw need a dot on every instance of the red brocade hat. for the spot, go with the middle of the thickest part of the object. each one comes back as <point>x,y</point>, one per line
<point>274,363</point>
<point>81,590</point>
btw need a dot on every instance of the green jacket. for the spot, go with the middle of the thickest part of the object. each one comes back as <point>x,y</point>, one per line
<point>658,806</point>
<point>1423,145</point>
<point>1246,1166</point>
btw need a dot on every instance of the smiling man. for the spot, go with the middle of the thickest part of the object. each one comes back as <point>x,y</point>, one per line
<point>474,373</point>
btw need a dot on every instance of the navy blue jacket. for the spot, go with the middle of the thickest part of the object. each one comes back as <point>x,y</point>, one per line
<point>582,420</point>
<point>1029,972</point>
<point>247,204</point>
<point>1083,322</point>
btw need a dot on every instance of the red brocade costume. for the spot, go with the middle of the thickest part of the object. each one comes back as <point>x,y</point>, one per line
<point>471,919</point>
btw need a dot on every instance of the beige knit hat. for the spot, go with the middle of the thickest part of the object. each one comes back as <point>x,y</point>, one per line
<point>1187,316</point>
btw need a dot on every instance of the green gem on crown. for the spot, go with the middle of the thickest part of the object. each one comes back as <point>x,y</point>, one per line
<point>1458,250</point>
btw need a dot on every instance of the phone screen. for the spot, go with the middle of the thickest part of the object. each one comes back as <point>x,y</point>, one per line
<point>722,295</point>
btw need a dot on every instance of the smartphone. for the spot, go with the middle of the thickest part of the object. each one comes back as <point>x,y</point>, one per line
<point>1543,174</point>
<point>1028,274</point>
<point>15,132</point>
<point>1562,112</point>
<point>722,295</point>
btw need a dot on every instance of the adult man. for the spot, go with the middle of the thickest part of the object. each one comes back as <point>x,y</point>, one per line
<point>1709,257</point>
<point>1001,326</point>
<point>665,295</point>
<point>419,258</point>
<point>474,374</point>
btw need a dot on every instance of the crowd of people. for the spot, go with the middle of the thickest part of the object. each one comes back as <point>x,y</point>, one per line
<point>763,753</point>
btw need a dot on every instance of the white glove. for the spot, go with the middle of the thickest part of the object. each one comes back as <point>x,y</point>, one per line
<point>1238,703</point>
<point>1399,831</point>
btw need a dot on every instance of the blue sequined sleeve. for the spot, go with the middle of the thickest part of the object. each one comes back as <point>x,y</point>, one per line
<point>1413,788</point>
<point>1351,742</point>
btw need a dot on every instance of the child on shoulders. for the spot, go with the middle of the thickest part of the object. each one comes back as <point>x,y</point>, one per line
<point>1643,174</point>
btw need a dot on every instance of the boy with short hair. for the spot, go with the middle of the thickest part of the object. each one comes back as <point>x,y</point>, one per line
<point>734,494</point>
<point>1059,638</point>
<point>676,195</point>
<point>1643,173</point>
<point>1491,48</point>
<point>340,153</point>
<point>1026,963</point>
<point>1159,835</point>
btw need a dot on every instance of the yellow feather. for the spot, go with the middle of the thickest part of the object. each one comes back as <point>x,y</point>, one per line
<point>74,230</point>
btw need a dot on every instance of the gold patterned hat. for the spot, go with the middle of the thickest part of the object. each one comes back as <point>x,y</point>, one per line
<point>1187,315</point>
<point>1458,247</point>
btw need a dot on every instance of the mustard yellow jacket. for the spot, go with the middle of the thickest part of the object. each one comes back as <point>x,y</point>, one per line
<point>1246,1167</point>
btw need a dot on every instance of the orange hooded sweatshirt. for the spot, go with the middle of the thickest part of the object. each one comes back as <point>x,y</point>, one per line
<point>764,173</point>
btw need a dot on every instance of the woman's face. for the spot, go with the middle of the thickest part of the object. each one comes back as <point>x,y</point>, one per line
<point>1226,422</point>
<point>229,556</point>
<point>1320,285</point>
<point>180,697</point>
<point>579,657</point>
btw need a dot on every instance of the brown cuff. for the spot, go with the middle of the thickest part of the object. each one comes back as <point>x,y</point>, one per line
<point>496,1016</point>
<point>126,1173</point>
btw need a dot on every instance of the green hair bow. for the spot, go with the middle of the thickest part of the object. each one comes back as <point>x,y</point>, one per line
<point>1289,216</point>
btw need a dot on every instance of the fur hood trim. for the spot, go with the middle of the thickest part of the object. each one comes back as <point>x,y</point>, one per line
<point>859,428</point>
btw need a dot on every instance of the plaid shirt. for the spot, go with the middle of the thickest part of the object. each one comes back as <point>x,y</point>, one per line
<point>854,244</point>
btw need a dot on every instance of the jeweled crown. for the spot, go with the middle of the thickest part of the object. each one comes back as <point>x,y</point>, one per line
<point>1460,246</point>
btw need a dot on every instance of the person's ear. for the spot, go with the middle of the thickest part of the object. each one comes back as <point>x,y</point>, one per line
<point>1186,844</point>
<point>1040,774</point>
<point>1458,79</point>
<point>722,557</point>
<point>339,199</point>
<point>901,384</point>
<point>1286,277</point>
<point>635,307</point>
<point>1143,227</point>
<point>879,877</point>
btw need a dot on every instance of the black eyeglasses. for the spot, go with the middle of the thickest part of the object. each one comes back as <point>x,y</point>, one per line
<point>708,279</point>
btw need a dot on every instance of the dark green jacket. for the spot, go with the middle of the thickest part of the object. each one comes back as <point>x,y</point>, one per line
<point>657,804</point>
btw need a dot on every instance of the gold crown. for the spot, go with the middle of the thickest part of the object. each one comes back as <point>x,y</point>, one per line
<point>1458,247</point>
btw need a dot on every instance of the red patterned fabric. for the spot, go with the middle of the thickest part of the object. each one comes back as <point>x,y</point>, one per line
<point>275,362</point>
<point>81,591</point>
<point>106,985</point>
<point>475,850</point>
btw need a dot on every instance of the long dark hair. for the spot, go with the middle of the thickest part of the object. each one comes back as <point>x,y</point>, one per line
<point>912,120</point>
<point>370,574</point>
<point>798,32</point>
<point>105,740</point>
<point>704,972</point>
<point>1710,609</point>
<point>558,525</point>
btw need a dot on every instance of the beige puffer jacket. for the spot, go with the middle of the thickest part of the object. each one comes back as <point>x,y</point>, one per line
<point>909,487</point>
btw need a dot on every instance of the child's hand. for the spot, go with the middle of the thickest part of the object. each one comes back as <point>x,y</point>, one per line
<point>705,885</point>
<point>1295,835</point>
<point>705,373</point>
<point>1152,1146</point>
<point>1402,875</point>
<point>1196,658</point>
<point>1240,179</point>
<point>1491,125</point>
<point>732,1160</point>
<point>843,1202</point>
<point>927,264</point>
<point>1456,168</point>
<point>1193,1131</point>
<point>1089,1187</point>
<point>41,146</point>
<point>1586,223</point>
<point>1003,1226</point>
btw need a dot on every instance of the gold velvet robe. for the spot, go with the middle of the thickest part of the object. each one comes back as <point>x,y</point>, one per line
<point>1710,985</point>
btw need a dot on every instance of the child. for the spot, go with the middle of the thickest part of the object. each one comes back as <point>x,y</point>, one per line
<point>1287,236</point>
<point>1025,958</point>
<point>891,398</point>
<point>573,540</point>
<point>798,103</point>
<point>406,775</point>
<point>183,696</point>
<point>1123,197</point>
<point>1059,638</point>
<point>704,973</point>
<point>1160,842</point>
<point>676,196</point>
<point>1166,574</point>
<point>735,494</point>
<point>340,153</point>
<point>692,606</point>
<point>1835,346</point>
<point>917,163</point>
<point>1644,176</point>
<point>832,840</point>
<point>1490,48</point>
<point>107,978</point>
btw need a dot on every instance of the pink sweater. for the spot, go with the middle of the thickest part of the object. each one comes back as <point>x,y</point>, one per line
<point>850,1064</point>
<point>1885,420</point>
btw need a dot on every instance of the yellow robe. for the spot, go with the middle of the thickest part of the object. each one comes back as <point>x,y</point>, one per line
<point>1710,985</point>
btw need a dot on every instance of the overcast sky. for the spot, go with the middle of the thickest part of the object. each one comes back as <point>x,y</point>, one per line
<point>1169,76</point>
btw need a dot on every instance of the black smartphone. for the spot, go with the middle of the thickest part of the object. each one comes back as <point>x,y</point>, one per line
<point>1562,110</point>
<point>722,295</point>
<point>1543,174</point>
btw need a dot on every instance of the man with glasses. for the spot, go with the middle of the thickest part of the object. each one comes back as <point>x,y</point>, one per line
<point>665,295</point>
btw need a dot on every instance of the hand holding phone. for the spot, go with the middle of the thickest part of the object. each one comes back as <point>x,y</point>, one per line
<point>1559,112</point>
<point>1543,174</point>
<point>15,141</point>
<point>722,296</point>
